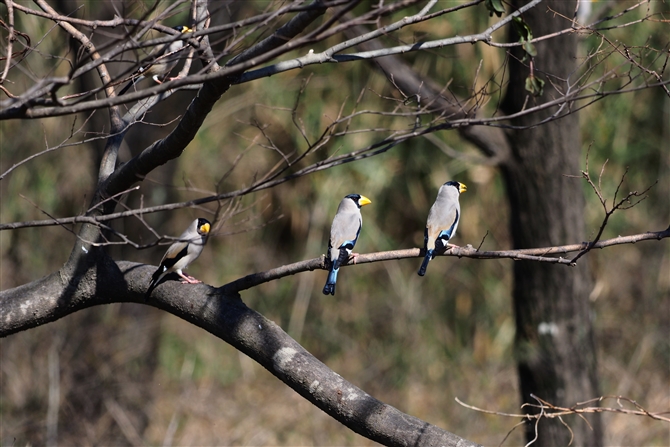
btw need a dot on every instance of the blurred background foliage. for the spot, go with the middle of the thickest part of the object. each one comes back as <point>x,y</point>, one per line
<point>129,373</point>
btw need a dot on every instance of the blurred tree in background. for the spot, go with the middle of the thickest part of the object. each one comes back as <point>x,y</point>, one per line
<point>420,94</point>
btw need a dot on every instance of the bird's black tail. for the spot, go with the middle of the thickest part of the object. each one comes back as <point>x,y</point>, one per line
<point>426,260</point>
<point>147,294</point>
<point>153,283</point>
<point>128,85</point>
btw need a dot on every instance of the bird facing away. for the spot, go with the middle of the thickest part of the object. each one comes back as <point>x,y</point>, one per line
<point>182,253</point>
<point>162,59</point>
<point>442,221</point>
<point>343,236</point>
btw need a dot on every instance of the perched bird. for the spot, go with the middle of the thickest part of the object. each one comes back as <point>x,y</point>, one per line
<point>343,235</point>
<point>442,221</point>
<point>162,59</point>
<point>182,253</point>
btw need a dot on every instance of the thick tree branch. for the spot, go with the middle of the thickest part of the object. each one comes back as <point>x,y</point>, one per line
<point>220,312</point>
<point>227,317</point>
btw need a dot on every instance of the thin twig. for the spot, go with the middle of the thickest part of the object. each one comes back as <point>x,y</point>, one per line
<point>10,39</point>
<point>620,205</point>
<point>554,411</point>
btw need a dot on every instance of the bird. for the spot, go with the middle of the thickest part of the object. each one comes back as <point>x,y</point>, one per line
<point>162,59</point>
<point>343,236</point>
<point>182,253</point>
<point>442,221</point>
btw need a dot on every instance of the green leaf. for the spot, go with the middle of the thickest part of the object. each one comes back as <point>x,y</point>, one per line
<point>525,36</point>
<point>495,7</point>
<point>522,28</point>
<point>530,49</point>
<point>534,85</point>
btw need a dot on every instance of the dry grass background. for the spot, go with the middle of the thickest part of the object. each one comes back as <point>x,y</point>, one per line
<point>126,374</point>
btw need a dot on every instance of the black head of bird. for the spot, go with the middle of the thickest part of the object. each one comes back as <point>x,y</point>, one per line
<point>359,200</point>
<point>458,185</point>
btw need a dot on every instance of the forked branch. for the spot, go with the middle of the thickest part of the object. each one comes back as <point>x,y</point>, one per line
<point>629,201</point>
<point>547,410</point>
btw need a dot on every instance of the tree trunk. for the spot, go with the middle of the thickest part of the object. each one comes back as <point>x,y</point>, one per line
<point>554,338</point>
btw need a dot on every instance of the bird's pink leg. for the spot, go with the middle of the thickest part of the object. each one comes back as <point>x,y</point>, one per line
<point>158,81</point>
<point>189,279</point>
<point>353,257</point>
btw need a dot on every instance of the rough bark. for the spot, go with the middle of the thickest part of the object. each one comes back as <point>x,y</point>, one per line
<point>554,335</point>
<point>227,317</point>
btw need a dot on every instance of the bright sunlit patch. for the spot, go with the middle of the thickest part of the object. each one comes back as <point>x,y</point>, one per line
<point>283,357</point>
<point>547,329</point>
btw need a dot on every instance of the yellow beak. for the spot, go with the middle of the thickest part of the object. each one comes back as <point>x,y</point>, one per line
<point>462,188</point>
<point>204,228</point>
<point>364,201</point>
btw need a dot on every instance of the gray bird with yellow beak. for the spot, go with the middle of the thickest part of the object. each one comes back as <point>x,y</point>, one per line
<point>162,59</point>
<point>343,236</point>
<point>442,221</point>
<point>182,253</point>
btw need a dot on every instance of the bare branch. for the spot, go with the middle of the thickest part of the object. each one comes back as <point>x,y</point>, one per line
<point>549,410</point>
<point>88,45</point>
<point>29,108</point>
<point>113,23</point>
<point>63,144</point>
<point>266,182</point>
<point>10,40</point>
<point>172,146</point>
<point>621,205</point>
<point>527,254</point>
<point>330,55</point>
